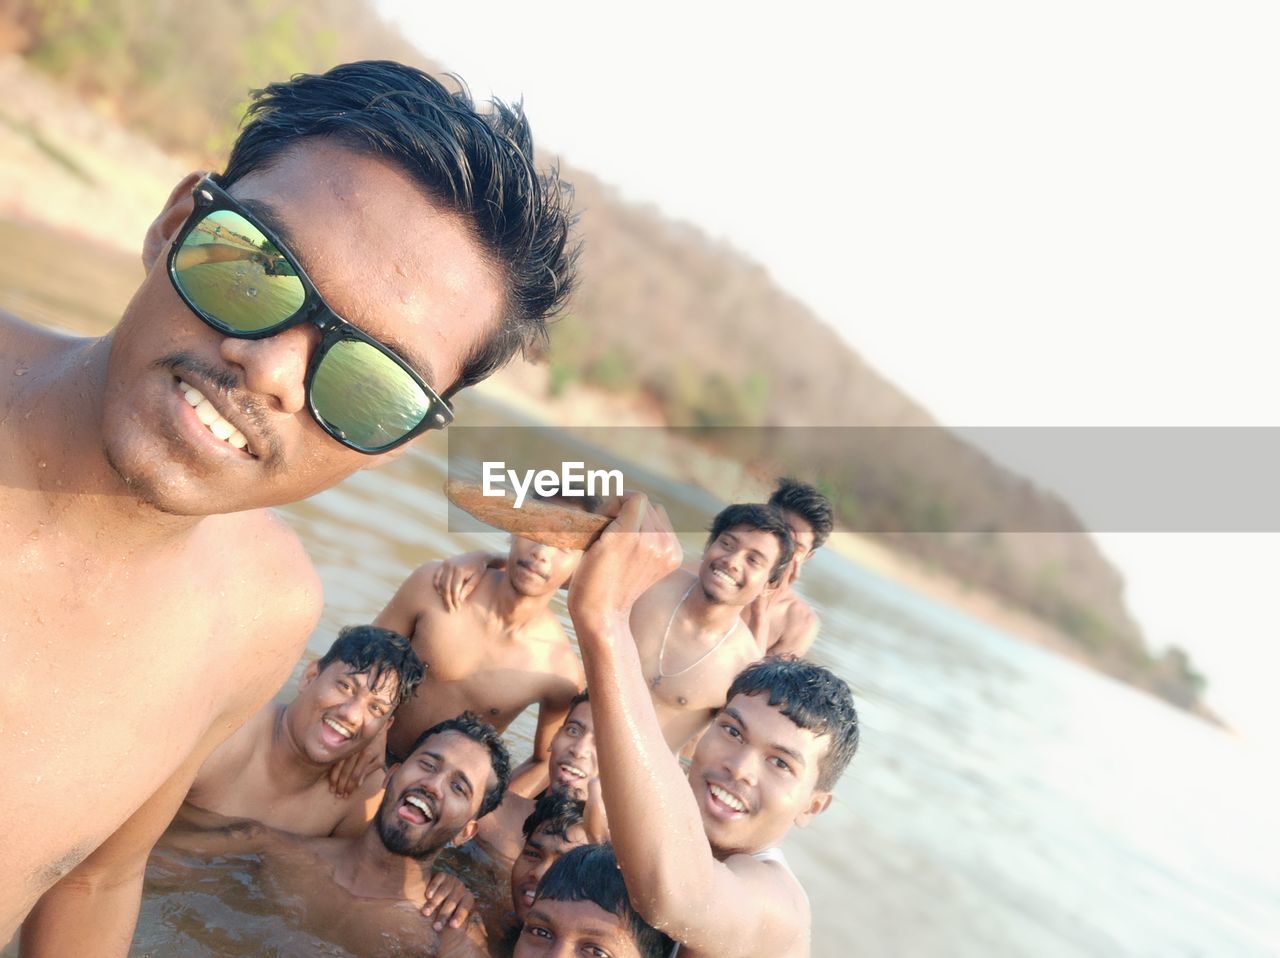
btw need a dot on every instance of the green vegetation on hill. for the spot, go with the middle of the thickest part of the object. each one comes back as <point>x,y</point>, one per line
<point>664,315</point>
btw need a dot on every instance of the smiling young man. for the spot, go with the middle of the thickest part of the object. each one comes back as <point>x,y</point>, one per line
<point>497,653</point>
<point>570,767</point>
<point>699,853</point>
<point>688,628</point>
<point>142,582</point>
<point>365,892</point>
<point>275,768</point>
<point>781,620</point>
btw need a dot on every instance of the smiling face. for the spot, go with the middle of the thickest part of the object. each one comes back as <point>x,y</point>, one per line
<point>754,775</point>
<point>336,713</point>
<point>435,796</point>
<point>384,256</point>
<point>541,850</point>
<point>581,929</point>
<point>537,570</point>
<point>736,565</point>
<point>802,535</point>
<point>571,759</point>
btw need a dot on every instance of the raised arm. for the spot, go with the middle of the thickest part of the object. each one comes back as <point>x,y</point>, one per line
<point>674,880</point>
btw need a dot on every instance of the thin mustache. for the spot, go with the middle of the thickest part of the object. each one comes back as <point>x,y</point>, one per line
<point>230,388</point>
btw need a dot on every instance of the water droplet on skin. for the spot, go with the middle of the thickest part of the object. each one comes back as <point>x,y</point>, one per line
<point>251,292</point>
<point>41,463</point>
<point>20,370</point>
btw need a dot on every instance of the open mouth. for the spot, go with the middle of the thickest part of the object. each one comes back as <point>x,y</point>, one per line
<point>724,801</point>
<point>214,420</point>
<point>530,570</point>
<point>570,774</point>
<point>335,733</point>
<point>415,810</point>
<point>727,579</point>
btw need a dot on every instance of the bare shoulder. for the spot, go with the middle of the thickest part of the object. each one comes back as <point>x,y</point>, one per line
<point>799,630</point>
<point>774,893</point>
<point>663,595</point>
<point>25,350</point>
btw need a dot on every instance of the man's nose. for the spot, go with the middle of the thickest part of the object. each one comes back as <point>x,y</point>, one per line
<point>275,368</point>
<point>741,765</point>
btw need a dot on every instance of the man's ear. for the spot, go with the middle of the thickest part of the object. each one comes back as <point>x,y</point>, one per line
<point>165,226</point>
<point>308,675</point>
<point>818,803</point>
<point>465,834</point>
<point>391,770</point>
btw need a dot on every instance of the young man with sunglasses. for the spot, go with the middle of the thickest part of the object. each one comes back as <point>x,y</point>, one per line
<point>703,864</point>
<point>388,246</point>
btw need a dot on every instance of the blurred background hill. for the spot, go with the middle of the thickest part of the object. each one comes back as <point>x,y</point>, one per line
<point>667,321</point>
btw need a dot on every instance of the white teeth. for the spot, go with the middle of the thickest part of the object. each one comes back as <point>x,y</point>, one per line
<point>574,770</point>
<point>337,728</point>
<point>731,800</point>
<point>419,804</point>
<point>210,416</point>
<point>724,575</point>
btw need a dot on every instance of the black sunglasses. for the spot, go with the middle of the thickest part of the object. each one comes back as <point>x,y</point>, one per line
<point>238,277</point>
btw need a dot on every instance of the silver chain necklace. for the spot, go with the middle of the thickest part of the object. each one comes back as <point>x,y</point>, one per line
<point>662,649</point>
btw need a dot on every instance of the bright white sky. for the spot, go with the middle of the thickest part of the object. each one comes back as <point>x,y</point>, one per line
<point>1022,213</point>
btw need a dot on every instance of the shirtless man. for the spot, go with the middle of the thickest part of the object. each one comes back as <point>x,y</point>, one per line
<point>688,628</point>
<point>363,893</point>
<point>146,594</point>
<point>703,864</point>
<point>495,655</point>
<point>582,908</point>
<point>570,767</point>
<point>781,621</point>
<point>275,768</point>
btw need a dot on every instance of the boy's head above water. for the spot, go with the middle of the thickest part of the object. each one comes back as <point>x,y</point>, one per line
<point>348,695</point>
<point>773,754</point>
<point>582,904</point>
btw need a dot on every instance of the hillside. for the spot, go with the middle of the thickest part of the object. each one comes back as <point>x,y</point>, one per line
<point>666,318</point>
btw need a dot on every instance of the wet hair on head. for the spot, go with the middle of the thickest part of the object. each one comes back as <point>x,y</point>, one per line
<point>814,698</point>
<point>555,814</point>
<point>478,165</point>
<point>590,873</point>
<point>756,515</point>
<point>583,696</point>
<point>478,730</point>
<point>808,503</point>
<point>377,653</point>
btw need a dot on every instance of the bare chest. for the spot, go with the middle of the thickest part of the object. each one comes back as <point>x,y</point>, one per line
<point>108,689</point>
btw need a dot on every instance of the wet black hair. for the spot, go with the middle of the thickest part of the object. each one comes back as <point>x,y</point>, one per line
<point>814,698</point>
<point>478,730</point>
<point>590,873</point>
<point>376,652</point>
<point>808,503</point>
<point>557,812</point>
<point>583,696</point>
<point>477,164</point>
<point>756,515</point>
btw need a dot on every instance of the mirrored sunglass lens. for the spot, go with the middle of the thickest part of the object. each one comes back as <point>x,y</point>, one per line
<point>237,276</point>
<point>366,395</point>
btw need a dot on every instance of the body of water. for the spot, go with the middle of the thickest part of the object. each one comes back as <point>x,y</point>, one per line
<point>1004,801</point>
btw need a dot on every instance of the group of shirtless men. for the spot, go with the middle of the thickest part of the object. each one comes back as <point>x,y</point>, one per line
<point>152,604</point>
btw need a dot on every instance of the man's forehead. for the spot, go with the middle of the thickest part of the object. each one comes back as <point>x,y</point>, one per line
<point>766,724</point>
<point>385,255</point>
<point>798,524</point>
<point>581,917</point>
<point>462,752</point>
<point>574,835</point>
<point>753,538</point>
<point>386,684</point>
<point>581,713</point>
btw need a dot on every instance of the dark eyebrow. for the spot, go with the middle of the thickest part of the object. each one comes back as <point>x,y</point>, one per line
<point>465,781</point>
<point>735,715</point>
<point>267,215</point>
<point>533,844</point>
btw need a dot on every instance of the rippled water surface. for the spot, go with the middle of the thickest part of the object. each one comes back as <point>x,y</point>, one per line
<point>1004,801</point>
